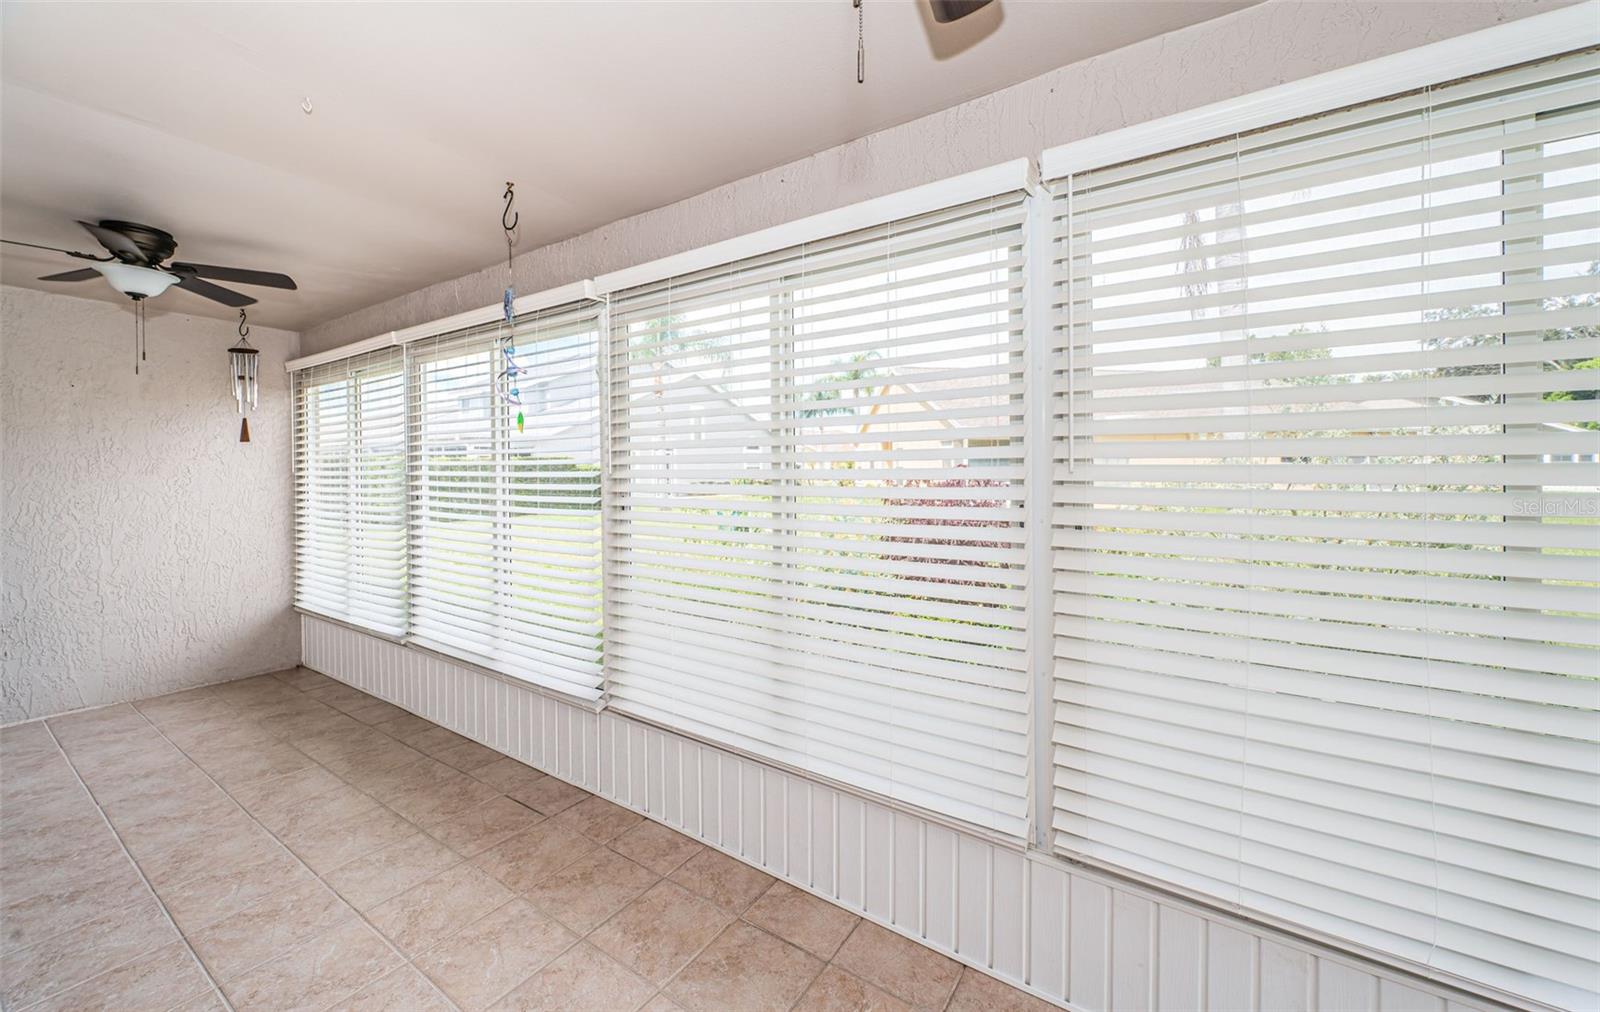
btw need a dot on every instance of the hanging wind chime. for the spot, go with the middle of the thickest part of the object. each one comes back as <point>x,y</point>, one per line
<point>244,370</point>
<point>506,383</point>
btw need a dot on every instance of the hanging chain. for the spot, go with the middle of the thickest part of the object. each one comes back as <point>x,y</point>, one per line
<point>861,42</point>
<point>505,381</point>
<point>138,334</point>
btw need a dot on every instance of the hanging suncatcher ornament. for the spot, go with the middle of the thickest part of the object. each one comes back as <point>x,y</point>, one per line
<point>244,368</point>
<point>506,382</point>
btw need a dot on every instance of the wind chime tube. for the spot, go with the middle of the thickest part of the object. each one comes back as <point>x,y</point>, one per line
<point>244,366</point>
<point>246,379</point>
<point>245,383</point>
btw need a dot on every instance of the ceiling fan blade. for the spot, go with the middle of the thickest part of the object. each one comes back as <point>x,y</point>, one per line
<point>237,275</point>
<point>54,249</point>
<point>946,11</point>
<point>124,248</point>
<point>82,274</point>
<point>216,293</point>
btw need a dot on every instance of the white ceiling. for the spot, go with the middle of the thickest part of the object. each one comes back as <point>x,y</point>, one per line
<point>188,117</point>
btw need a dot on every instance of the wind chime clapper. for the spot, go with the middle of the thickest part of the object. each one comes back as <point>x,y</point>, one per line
<point>244,365</point>
<point>506,383</point>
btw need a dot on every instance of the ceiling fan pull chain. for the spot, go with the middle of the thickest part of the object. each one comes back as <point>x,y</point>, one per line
<point>861,42</point>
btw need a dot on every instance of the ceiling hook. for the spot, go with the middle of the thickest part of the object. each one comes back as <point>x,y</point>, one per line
<point>508,219</point>
<point>243,330</point>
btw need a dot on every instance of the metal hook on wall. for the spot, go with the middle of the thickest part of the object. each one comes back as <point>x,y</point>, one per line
<point>243,330</point>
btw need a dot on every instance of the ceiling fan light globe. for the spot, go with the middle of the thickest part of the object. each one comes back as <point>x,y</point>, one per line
<point>134,281</point>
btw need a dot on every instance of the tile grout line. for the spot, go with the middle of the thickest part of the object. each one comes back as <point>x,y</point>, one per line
<point>741,918</point>
<point>826,963</point>
<point>738,918</point>
<point>406,960</point>
<point>522,895</point>
<point>421,831</point>
<point>658,992</point>
<point>580,938</point>
<point>462,861</point>
<point>285,847</point>
<point>661,990</point>
<point>69,929</point>
<point>216,988</point>
<point>697,834</point>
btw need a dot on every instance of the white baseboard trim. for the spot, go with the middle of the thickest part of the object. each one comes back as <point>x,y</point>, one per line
<point>1077,937</point>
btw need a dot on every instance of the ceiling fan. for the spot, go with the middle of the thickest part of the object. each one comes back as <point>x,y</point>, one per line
<point>137,266</point>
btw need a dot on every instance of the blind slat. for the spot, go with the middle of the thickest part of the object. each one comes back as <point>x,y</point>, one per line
<point>816,461</point>
<point>1326,546</point>
<point>349,490</point>
<point>504,497</point>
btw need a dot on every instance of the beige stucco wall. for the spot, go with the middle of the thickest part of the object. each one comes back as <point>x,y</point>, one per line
<point>1278,41</point>
<point>143,549</point>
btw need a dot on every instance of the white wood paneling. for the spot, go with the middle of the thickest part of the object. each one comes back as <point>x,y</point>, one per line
<point>1075,936</point>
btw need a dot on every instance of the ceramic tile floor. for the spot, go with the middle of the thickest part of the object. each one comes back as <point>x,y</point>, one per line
<point>286,842</point>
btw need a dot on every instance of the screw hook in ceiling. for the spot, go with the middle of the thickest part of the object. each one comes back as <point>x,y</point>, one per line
<point>509,219</point>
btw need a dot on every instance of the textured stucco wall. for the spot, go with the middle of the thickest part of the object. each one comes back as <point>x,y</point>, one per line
<point>144,548</point>
<point>1279,41</point>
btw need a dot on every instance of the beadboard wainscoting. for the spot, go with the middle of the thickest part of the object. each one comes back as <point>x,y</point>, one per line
<point>1069,934</point>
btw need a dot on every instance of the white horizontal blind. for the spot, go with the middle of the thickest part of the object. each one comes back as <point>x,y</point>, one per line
<point>1327,555</point>
<point>505,517</point>
<point>349,466</point>
<point>817,550</point>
